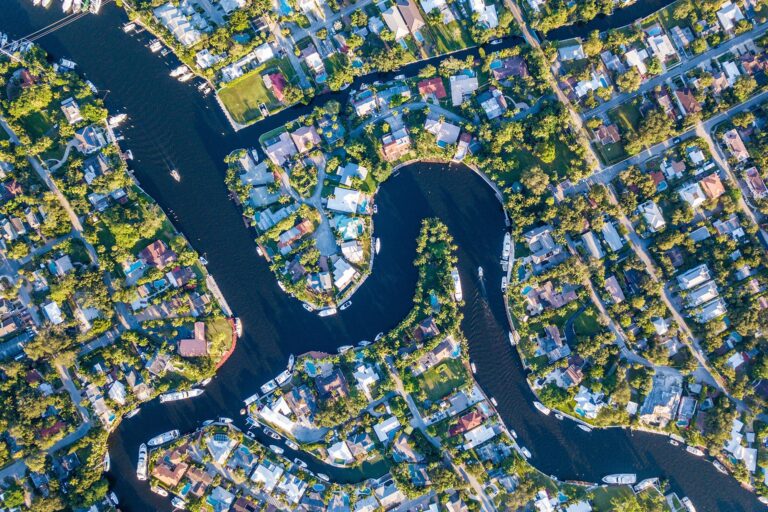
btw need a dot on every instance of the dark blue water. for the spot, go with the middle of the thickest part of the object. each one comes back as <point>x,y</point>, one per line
<point>171,125</point>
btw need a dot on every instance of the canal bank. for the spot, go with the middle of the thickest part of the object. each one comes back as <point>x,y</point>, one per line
<point>171,125</point>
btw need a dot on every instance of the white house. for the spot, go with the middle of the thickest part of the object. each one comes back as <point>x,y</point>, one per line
<point>652,215</point>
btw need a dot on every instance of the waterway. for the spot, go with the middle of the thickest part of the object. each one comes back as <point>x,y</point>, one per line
<point>171,125</point>
<point>619,18</point>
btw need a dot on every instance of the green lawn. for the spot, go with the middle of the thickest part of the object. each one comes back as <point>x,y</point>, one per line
<point>586,323</point>
<point>611,153</point>
<point>627,116</point>
<point>243,97</point>
<point>36,124</point>
<point>604,495</point>
<point>335,61</point>
<point>443,378</point>
<point>447,38</point>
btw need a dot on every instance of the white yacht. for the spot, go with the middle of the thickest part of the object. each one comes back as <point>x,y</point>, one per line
<point>66,5</point>
<point>180,395</point>
<point>291,361</point>
<point>585,428</point>
<point>327,312</point>
<point>107,462</point>
<point>686,501</point>
<point>620,479</point>
<point>504,283</point>
<point>542,408</point>
<point>378,245</point>
<point>507,249</point>
<point>284,377</point>
<point>276,449</point>
<point>269,387</point>
<point>175,175</point>
<point>141,465</point>
<point>480,272</point>
<point>133,413</point>
<point>159,490</point>
<point>345,305</point>
<point>178,71</point>
<point>457,291</point>
<point>163,438</point>
<point>526,453</point>
<point>694,451</point>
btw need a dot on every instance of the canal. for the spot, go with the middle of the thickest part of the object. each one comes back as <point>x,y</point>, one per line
<point>171,125</point>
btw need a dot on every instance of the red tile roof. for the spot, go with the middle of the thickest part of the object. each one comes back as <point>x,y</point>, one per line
<point>433,86</point>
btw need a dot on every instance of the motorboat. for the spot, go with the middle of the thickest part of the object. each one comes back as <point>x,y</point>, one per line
<point>512,339</point>
<point>163,438</point>
<point>364,343</point>
<point>673,442</point>
<point>474,368</point>
<point>585,428</point>
<point>307,307</point>
<point>507,247</point>
<point>559,416</point>
<point>375,208</point>
<point>378,336</point>
<point>141,465</point>
<point>719,467</point>
<point>66,5</point>
<point>255,155</point>
<point>178,71</point>
<point>225,420</point>
<point>345,348</point>
<point>513,433</point>
<point>457,292</point>
<point>324,477</point>
<point>276,449</point>
<point>208,422</point>
<point>480,272</point>
<point>291,444</point>
<point>113,498</point>
<point>186,77</point>
<point>300,463</point>
<point>645,484</point>
<point>284,377</point>
<point>179,503</point>
<point>175,175</point>
<point>345,305</point>
<point>542,408</point>
<point>494,402</point>
<point>155,45</point>
<point>251,399</point>
<point>686,501</point>
<point>117,120</point>
<point>291,361</point>
<point>694,451</point>
<point>180,395</point>
<point>129,27</point>
<point>504,283</point>
<point>133,413</point>
<point>327,312</point>
<point>495,42</point>
<point>166,51</point>
<point>378,245</point>
<point>271,433</point>
<point>264,110</point>
<point>159,490</point>
<point>620,479</point>
<point>107,462</point>
<point>238,327</point>
<point>526,452</point>
<point>269,387</point>
<point>206,381</point>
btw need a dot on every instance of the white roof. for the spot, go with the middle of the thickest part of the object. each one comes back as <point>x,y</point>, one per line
<point>728,15</point>
<point>343,274</point>
<point>395,22</point>
<point>653,215</point>
<point>593,245</point>
<point>53,313</point>
<point>635,59</point>
<point>461,86</point>
<point>693,277</point>
<point>611,236</point>
<point>692,194</point>
<point>431,5</point>
<point>268,474</point>
<point>339,453</point>
<point>386,427</point>
<point>661,46</point>
<point>478,436</point>
<point>345,200</point>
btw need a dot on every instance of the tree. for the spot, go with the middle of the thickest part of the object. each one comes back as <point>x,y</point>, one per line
<point>743,88</point>
<point>699,46</point>
<point>535,180</point>
<point>629,81</point>
<point>743,119</point>
<point>593,45</point>
<point>358,18</point>
<point>427,71</point>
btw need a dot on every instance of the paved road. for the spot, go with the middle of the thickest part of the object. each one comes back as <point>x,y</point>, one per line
<point>677,71</point>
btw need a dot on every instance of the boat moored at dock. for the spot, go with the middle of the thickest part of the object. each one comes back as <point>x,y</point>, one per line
<point>620,479</point>
<point>284,377</point>
<point>345,305</point>
<point>458,294</point>
<point>268,387</point>
<point>507,248</point>
<point>542,408</point>
<point>141,465</point>
<point>327,312</point>
<point>276,449</point>
<point>694,451</point>
<point>163,438</point>
<point>180,395</point>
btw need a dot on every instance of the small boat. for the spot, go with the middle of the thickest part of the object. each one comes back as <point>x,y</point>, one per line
<point>542,408</point>
<point>645,484</point>
<point>129,27</point>
<point>345,305</point>
<point>375,208</point>
<point>203,260</point>
<point>259,251</point>
<point>300,463</point>
<point>620,479</point>
<point>673,442</point>
<point>133,413</point>
<point>495,42</point>
<point>507,248</point>
<point>271,433</point>
<point>208,422</point>
<point>141,465</point>
<point>378,245</point>
<point>67,64</point>
<point>66,5</point>
<point>763,500</point>
<point>526,452</point>
<point>95,90</point>
<point>178,71</point>
<point>719,467</point>
<point>155,45</point>
<point>378,336</point>
<point>686,501</point>
<point>284,377</point>
<point>494,402</point>
<point>117,120</point>
<point>281,285</point>
<point>364,343</point>
<point>113,498</point>
<point>513,433</point>
<point>345,348</point>
<point>251,399</point>
<point>474,368</point>
<point>269,387</point>
<point>291,362</point>
<point>225,420</point>
<point>291,444</point>
<point>107,462</point>
<point>480,272</point>
<point>180,395</point>
<point>264,110</point>
<point>585,428</point>
<point>159,490</point>
<point>201,86</point>
<point>326,312</point>
<point>276,449</point>
<point>163,438</point>
<point>206,381</point>
<point>175,175</point>
<point>512,339</point>
<point>128,155</point>
<point>243,411</point>
<point>307,307</point>
<point>186,77</point>
<point>694,451</point>
<point>166,51</point>
<point>46,3</point>
<point>559,416</point>
<point>179,503</point>
<point>504,283</point>
<point>255,155</point>
<point>324,477</point>
<point>457,292</point>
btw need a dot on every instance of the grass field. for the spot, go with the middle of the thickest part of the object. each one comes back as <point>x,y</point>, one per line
<point>627,116</point>
<point>36,124</point>
<point>444,378</point>
<point>611,153</point>
<point>242,99</point>
<point>586,323</point>
<point>447,38</point>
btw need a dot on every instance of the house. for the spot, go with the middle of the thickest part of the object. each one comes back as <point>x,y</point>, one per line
<point>346,200</point>
<point>467,422</point>
<point>608,134</point>
<point>462,86</point>
<point>71,111</point>
<point>551,344</point>
<point>673,169</point>
<point>340,454</point>
<point>612,62</point>
<point>90,139</point>
<point>687,102</point>
<point>280,148</point>
<point>596,81</point>
<point>661,47</point>
<point>487,16</point>
<point>480,435</point>
<point>755,183</point>
<point>493,103</point>
<point>711,310</point>
<point>592,243</point>
<point>682,37</point>
<point>432,88</point>
<point>572,52</point>
<point>168,473</point>
<point>343,274</point>
<point>245,504</point>
<point>444,350</point>
<point>332,385</point>
<point>611,236</point>
<point>652,215</point>
<point>692,194</point>
<point>694,277</point>
<point>587,403</point>
<point>411,15</point>
<point>53,313</point>
<point>61,266</point>
<point>445,132</point>
<point>95,166</point>
<point>366,378</point>
<point>276,83</point>
<point>305,138</point>
<point>735,145</point>
<point>395,145</point>
<point>731,72</point>
<point>544,249</point>
<point>220,447</point>
<point>461,150</point>
<point>636,59</point>
<point>157,254</point>
<point>267,474</point>
<point>172,18</point>
<point>614,290</point>
<point>197,346</point>
<point>729,15</point>
<point>255,174</point>
<point>385,429</point>
<point>702,294</point>
<point>514,66</point>
<point>364,103</point>
<point>395,22</point>
<point>712,186</point>
<point>314,61</point>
